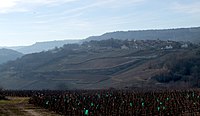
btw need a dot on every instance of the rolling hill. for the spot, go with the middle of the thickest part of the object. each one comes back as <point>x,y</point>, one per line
<point>93,65</point>
<point>181,34</point>
<point>43,46</point>
<point>8,54</point>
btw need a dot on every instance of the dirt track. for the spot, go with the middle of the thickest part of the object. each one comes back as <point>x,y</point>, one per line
<point>18,106</point>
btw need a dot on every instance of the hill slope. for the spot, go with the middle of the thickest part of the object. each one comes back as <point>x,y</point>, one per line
<point>182,34</point>
<point>43,46</point>
<point>7,55</point>
<point>91,65</point>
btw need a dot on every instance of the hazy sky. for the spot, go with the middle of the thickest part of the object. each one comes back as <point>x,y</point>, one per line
<point>24,22</point>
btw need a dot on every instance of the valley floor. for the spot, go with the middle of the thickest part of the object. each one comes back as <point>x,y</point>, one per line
<point>18,106</point>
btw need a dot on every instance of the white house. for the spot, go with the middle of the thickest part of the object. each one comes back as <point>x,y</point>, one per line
<point>169,47</point>
<point>184,46</point>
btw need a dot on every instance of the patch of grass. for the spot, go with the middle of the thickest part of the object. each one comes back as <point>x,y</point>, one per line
<point>14,100</point>
<point>18,106</point>
<point>4,102</point>
<point>11,106</point>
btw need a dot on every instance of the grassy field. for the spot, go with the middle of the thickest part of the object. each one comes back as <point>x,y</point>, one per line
<point>18,106</point>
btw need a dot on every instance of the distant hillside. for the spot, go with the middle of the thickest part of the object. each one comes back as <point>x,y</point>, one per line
<point>8,54</point>
<point>183,67</point>
<point>182,34</point>
<point>43,46</point>
<point>92,65</point>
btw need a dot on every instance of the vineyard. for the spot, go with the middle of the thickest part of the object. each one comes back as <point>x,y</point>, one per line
<point>115,102</point>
